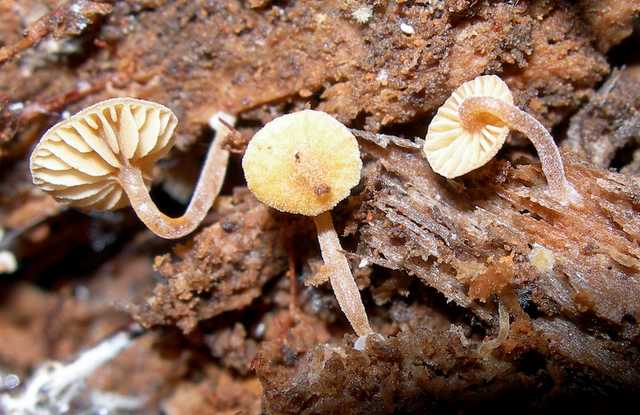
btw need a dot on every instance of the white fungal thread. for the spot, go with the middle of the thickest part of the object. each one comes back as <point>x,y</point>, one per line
<point>54,386</point>
<point>488,346</point>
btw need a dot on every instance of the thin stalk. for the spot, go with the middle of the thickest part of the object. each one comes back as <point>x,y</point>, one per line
<point>342,281</point>
<point>472,111</point>
<point>488,346</point>
<point>207,189</point>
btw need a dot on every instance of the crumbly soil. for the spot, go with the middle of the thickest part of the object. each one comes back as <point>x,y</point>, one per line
<point>234,323</point>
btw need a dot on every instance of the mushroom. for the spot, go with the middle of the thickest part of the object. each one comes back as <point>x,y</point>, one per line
<point>472,125</point>
<point>102,158</point>
<point>305,163</point>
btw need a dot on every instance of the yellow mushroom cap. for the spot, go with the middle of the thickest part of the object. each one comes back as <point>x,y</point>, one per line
<point>305,162</point>
<point>451,149</point>
<point>78,159</point>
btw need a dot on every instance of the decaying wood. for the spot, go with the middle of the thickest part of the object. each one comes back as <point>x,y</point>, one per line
<point>454,235</point>
<point>72,18</point>
<point>433,257</point>
<point>606,131</point>
<point>478,241</point>
<point>223,268</point>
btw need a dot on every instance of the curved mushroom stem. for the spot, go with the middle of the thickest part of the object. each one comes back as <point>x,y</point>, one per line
<point>342,281</point>
<point>473,109</point>
<point>207,189</point>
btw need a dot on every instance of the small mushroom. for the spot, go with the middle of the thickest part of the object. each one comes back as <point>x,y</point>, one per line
<point>305,163</point>
<point>102,158</point>
<point>472,125</point>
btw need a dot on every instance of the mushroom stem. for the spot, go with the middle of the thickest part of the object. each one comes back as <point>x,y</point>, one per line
<point>473,109</point>
<point>207,189</point>
<point>342,281</point>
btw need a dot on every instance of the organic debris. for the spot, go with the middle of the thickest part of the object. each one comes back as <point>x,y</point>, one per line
<point>485,292</point>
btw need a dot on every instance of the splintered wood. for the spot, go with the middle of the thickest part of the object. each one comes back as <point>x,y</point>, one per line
<point>477,235</point>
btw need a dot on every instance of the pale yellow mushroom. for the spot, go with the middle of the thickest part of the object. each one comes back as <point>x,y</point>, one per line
<point>102,158</point>
<point>472,125</point>
<point>306,163</point>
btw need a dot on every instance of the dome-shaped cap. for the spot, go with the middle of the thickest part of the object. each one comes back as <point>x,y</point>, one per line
<point>78,159</point>
<point>453,150</point>
<point>305,163</point>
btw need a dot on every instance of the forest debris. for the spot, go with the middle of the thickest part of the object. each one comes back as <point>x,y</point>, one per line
<point>574,326</point>
<point>497,276</point>
<point>610,21</point>
<point>444,230</point>
<point>233,347</point>
<point>72,18</point>
<point>218,393</point>
<point>383,140</point>
<point>213,67</point>
<point>35,210</point>
<point>223,268</point>
<point>417,371</point>
<point>606,131</point>
<point>606,357</point>
<point>424,369</point>
<point>258,3</point>
<point>55,386</point>
<point>67,322</point>
<point>159,354</point>
<point>542,258</point>
<point>407,29</point>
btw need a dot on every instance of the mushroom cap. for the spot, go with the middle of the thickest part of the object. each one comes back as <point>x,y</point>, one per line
<point>305,163</point>
<point>453,150</point>
<point>77,160</point>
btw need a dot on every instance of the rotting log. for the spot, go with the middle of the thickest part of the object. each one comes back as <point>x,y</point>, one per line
<point>569,277</point>
<point>576,320</point>
<point>222,268</point>
<point>488,234</point>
